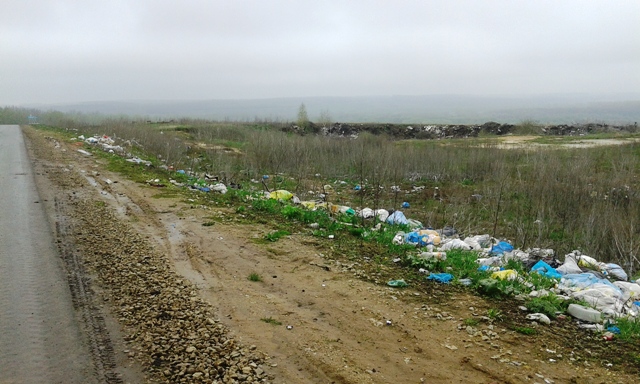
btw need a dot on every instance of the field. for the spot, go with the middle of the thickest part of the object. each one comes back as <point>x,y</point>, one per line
<point>559,192</point>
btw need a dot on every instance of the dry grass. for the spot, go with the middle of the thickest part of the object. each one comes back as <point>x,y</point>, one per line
<point>564,199</point>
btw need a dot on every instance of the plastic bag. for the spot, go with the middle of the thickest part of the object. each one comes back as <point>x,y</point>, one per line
<point>545,269</point>
<point>570,266</point>
<point>507,274</point>
<point>449,244</point>
<point>616,271</point>
<point>397,217</point>
<point>382,214</point>
<point>444,278</point>
<point>501,248</point>
<point>281,194</point>
<point>416,238</point>
<point>588,262</point>
<point>366,213</point>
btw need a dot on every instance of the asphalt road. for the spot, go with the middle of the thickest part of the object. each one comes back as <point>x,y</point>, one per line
<point>40,335</point>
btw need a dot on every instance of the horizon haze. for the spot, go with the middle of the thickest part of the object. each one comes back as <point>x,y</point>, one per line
<point>67,52</point>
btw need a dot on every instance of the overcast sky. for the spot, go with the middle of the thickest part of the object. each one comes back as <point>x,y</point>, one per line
<point>84,50</point>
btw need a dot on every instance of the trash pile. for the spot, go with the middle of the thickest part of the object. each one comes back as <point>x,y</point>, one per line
<point>602,286</point>
<point>105,142</point>
<point>206,184</point>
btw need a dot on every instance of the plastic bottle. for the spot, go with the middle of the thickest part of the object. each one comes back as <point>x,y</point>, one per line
<point>585,314</point>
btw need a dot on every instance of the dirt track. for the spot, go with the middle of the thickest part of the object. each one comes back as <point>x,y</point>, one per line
<point>339,322</point>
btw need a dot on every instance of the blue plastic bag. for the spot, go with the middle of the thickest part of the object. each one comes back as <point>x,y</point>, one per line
<point>501,248</point>
<point>545,269</point>
<point>397,217</point>
<point>441,277</point>
<point>416,238</point>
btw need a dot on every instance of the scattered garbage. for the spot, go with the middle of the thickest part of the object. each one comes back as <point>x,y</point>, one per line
<point>604,286</point>
<point>281,194</point>
<point>434,255</point>
<point>507,274</point>
<point>137,160</point>
<point>580,312</point>
<point>501,248</point>
<point>539,317</point>
<point>397,217</point>
<point>397,283</point>
<point>545,269</point>
<point>441,277</point>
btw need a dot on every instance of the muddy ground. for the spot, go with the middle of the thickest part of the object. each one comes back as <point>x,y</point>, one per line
<point>179,307</point>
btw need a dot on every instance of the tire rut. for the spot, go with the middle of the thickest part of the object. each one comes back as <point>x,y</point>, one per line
<point>83,299</point>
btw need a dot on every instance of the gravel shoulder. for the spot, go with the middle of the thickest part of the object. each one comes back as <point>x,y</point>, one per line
<point>178,305</point>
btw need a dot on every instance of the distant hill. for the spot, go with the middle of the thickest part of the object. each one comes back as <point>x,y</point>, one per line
<point>437,109</point>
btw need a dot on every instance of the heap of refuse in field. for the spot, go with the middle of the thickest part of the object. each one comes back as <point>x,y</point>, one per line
<point>604,286</point>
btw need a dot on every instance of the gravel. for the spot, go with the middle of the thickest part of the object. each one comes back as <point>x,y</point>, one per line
<point>173,332</point>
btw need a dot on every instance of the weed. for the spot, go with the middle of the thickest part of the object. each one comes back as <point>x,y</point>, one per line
<point>266,205</point>
<point>208,223</point>
<point>471,322</point>
<point>525,330</point>
<point>629,329</point>
<point>549,305</point>
<point>494,314</point>
<point>254,277</point>
<point>271,320</point>
<point>275,236</point>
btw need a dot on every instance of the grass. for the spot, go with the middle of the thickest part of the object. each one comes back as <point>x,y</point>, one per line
<point>271,320</point>
<point>629,329</point>
<point>254,277</point>
<point>275,236</point>
<point>550,305</point>
<point>471,322</point>
<point>208,223</point>
<point>525,331</point>
<point>494,314</point>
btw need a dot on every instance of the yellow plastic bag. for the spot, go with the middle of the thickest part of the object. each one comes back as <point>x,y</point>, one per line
<point>281,194</point>
<point>308,204</point>
<point>507,274</point>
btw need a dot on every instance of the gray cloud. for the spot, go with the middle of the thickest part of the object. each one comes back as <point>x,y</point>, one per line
<point>62,51</point>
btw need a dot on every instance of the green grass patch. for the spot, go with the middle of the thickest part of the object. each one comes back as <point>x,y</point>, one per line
<point>525,331</point>
<point>629,329</point>
<point>471,322</point>
<point>550,305</point>
<point>271,320</point>
<point>254,277</point>
<point>495,314</point>
<point>275,236</point>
